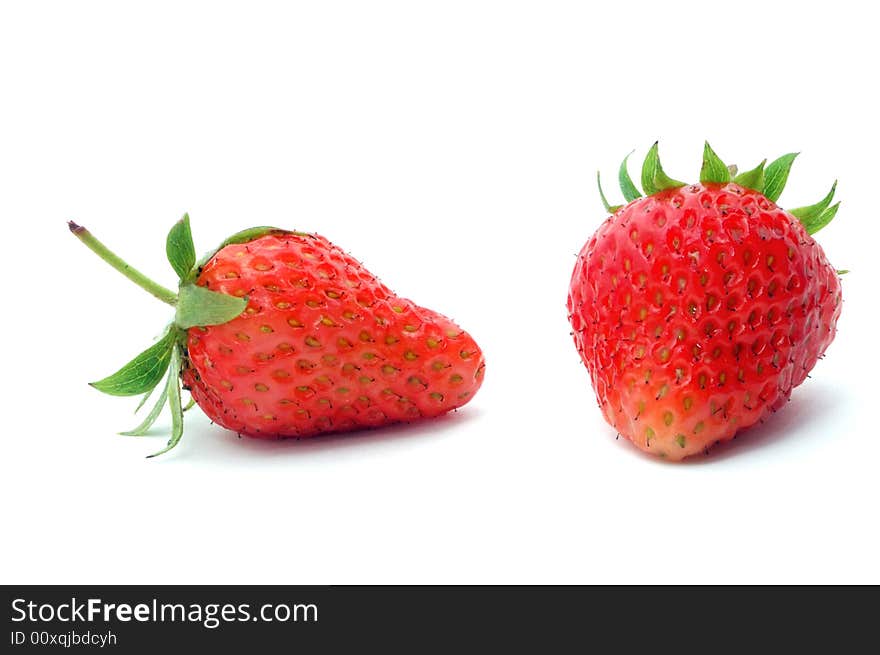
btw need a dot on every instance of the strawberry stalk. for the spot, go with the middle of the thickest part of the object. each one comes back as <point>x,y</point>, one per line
<point>145,283</point>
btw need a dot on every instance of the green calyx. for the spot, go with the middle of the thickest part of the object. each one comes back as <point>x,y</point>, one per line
<point>767,179</point>
<point>815,217</point>
<point>654,179</point>
<point>194,306</point>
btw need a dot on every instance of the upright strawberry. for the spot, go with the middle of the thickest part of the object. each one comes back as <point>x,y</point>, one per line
<point>283,334</point>
<point>698,308</point>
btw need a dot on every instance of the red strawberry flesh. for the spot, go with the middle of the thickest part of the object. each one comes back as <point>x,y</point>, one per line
<point>322,346</point>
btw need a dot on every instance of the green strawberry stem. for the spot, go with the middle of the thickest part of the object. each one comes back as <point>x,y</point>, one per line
<point>145,283</point>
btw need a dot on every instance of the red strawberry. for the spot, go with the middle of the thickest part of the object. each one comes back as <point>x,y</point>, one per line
<point>323,345</point>
<point>698,308</point>
<point>282,334</point>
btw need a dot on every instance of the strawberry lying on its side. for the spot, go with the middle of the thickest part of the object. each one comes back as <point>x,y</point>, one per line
<point>283,334</point>
<point>698,308</point>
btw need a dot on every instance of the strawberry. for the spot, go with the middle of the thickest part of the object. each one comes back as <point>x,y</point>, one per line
<point>282,334</point>
<point>698,308</point>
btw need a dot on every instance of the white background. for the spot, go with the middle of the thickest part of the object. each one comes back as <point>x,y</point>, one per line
<point>452,147</point>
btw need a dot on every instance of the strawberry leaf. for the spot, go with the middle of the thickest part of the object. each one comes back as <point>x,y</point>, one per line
<point>654,179</point>
<point>608,207</point>
<point>811,213</point>
<point>143,401</point>
<point>142,373</point>
<point>173,392</point>
<point>776,176</point>
<point>200,306</point>
<point>713,171</point>
<point>753,179</point>
<point>148,421</point>
<point>822,220</point>
<point>179,248</point>
<point>629,189</point>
